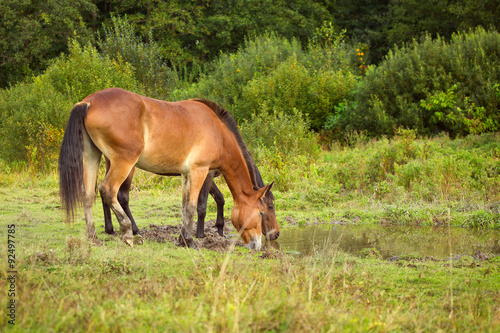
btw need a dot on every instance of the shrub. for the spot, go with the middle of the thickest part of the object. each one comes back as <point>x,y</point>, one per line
<point>121,44</point>
<point>226,77</point>
<point>390,95</point>
<point>271,130</point>
<point>447,113</point>
<point>279,152</point>
<point>291,85</point>
<point>33,114</point>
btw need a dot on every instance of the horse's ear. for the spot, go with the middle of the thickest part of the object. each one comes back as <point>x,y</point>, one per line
<point>261,193</point>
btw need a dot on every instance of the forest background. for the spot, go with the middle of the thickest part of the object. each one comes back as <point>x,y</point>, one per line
<point>391,100</point>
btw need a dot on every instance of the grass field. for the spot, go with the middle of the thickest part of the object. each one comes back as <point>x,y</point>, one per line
<point>63,284</point>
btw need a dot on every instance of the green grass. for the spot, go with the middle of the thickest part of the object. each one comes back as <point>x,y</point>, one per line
<point>65,284</point>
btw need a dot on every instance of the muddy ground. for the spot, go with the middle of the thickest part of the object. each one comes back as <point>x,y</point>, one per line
<point>211,241</point>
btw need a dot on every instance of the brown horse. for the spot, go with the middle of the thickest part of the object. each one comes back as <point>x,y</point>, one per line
<point>187,138</point>
<point>270,227</point>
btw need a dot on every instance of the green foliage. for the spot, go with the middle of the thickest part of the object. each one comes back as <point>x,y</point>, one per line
<point>328,50</point>
<point>192,32</point>
<point>65,75</point>
<point>227,76</point>
<point>279,152</point>
<point>121,44</point>
<point>271,130</point>
<point>390,95</point>
<point>34,32</point>
<point>270,72</point>
<point>472,120</point>
<point>291,85</point>
<point>33,114</point>
<point>413,18</point>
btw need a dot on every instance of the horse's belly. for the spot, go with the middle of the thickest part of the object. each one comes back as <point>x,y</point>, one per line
<point>161,164</point>
<point>178,161</point>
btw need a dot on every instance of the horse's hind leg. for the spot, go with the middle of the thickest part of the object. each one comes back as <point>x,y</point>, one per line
<point>91,160</point>
<point>219,199</point>
<point>123,199</point>
<point>117,174</point>
<point>202,205</point>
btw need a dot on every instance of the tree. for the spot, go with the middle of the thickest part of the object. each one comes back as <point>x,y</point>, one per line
<point>33,32</point>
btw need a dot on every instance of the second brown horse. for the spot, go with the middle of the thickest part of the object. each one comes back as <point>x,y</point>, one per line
<point>187,138</point>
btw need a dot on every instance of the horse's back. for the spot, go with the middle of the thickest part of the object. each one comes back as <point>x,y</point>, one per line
<point>185,132</point>
<point>163,137</point>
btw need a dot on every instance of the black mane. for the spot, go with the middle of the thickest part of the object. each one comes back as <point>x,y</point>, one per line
<point>229,121</point>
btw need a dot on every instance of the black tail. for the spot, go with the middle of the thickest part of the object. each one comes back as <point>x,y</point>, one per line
<point>71,184</point>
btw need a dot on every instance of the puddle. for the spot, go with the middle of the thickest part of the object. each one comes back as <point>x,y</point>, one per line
<point>436,242</point>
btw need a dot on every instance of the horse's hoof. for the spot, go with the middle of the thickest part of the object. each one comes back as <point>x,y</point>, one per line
<point>97,242</point>
<point>187,243</point>
<point>129,241</point>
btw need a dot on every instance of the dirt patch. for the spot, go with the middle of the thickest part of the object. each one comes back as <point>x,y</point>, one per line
<point>212,240</point>
<point>457,261</point>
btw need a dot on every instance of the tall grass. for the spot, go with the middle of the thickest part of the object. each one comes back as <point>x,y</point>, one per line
<point>65,284</point>
<point>402,180</point>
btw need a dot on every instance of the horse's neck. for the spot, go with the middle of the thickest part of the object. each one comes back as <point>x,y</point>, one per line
<point>236,173</point>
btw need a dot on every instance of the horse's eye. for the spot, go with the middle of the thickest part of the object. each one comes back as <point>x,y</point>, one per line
<point>261,214</point>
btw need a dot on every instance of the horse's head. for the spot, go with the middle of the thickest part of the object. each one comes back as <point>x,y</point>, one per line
<point>247,217</point>
<point>270,227</point>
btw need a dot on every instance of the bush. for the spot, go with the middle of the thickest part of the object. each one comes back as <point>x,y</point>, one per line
<point>291,85</point>
<point>279,152</point>
<point>121,44</point>
<point>271,72</point>
<point>391,94</point>
<point>34,114</point>
<point>226,77</point>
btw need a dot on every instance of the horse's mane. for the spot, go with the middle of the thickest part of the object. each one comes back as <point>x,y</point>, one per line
<point>230,123</point>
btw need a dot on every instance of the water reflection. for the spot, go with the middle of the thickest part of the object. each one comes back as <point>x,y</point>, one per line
<point>439,242</point>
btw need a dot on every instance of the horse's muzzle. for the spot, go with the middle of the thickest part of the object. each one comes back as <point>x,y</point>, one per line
<point>254,244</point>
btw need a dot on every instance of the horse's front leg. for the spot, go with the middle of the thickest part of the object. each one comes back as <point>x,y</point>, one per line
<point>192,183</point>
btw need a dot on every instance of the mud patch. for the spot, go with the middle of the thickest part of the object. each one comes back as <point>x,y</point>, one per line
<point>458,261</point>
<point>212,240</point>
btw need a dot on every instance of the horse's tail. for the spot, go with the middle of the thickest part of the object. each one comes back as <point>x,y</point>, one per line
<point>71,183</point>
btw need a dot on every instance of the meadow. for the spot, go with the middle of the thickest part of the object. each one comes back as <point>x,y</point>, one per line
<point>411,140</point>
<point>63,283</point>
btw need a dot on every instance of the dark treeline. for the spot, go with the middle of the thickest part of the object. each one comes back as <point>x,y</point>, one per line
<point>32,33</point>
